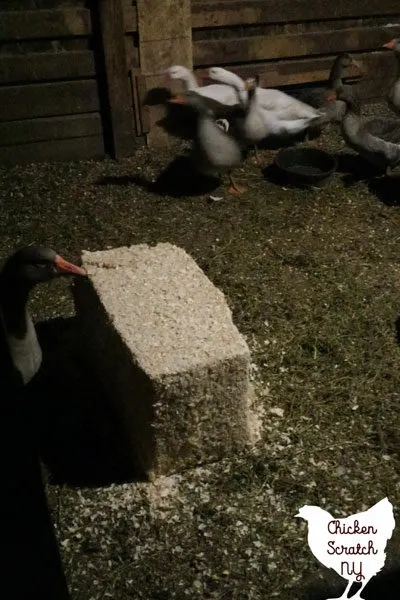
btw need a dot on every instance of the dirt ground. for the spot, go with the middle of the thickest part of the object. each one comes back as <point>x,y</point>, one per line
<point>313,280</point>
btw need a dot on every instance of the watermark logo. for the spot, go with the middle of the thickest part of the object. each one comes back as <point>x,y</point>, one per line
<point>355,546</point>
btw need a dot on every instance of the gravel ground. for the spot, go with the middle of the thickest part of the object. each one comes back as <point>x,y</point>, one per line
<point>312,278</point>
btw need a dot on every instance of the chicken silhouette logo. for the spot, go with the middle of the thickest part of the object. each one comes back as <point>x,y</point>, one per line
<point>355,546</point>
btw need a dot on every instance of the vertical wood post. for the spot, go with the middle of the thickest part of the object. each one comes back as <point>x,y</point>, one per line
<point>165,39</point>
<point>112,31</point>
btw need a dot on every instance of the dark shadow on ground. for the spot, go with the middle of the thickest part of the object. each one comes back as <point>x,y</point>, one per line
<point>273,174</point>
<point>384,586</point>
<point>278,177</point>
<point>386,189</point>
<point>80,438</point>
<point>179,179</point>
<point>355,168</point>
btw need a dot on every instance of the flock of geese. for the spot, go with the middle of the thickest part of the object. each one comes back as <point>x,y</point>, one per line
<point>233,114</point>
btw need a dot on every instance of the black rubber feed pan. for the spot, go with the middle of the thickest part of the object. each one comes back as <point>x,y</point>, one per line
<point>305,166</point>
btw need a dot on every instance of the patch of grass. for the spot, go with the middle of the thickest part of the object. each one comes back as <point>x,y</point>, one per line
<point>312,277</point>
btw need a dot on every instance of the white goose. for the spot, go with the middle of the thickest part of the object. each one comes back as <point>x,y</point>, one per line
<point>260,123</point>
<point>255,123</point>
<point>217,91</point>
<point>268,99</point>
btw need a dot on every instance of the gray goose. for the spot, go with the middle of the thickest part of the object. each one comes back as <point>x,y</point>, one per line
<point>31,564</point>
<point>376,139</point>
<point>394,92</point>
<point>316,97</point>
<point>214,151</point>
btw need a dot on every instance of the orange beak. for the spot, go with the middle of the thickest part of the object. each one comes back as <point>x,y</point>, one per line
<point>64,266</point>
<point>331,96</point>
<point>177,100</point>
<point>203,75</point>
<point>390,45</point>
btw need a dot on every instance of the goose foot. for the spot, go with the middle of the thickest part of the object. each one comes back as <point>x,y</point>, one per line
<point>236,189</point>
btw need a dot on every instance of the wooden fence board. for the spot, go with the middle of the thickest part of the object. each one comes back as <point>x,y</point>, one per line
<point>48,99</point>
<point>42,66</point>
<point>117,76</point>
<point>249,12</point>
<point>130,18</point>
<point>39,24</point>
<point>224,51</point>
<point>164,40</point>
<point>68,149</point>
<point>49,128</point>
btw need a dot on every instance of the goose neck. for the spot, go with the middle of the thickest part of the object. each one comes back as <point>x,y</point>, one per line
<point>13,305</point>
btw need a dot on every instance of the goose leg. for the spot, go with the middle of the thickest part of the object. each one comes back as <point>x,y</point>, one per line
<point>358,593</point>
<point>256,156</point>
<point>346,591</point>
<point>235,188</point>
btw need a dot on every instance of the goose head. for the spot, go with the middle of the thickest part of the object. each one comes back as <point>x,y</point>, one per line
<point>21,272</point>
<point>183,74</point>
<point>24,269</point>
<point>35,264</point>
<point>251,85</point>
<point>342,63</point>
<point>345,60</point>
<point>393,45</point>
<point>177,72</point>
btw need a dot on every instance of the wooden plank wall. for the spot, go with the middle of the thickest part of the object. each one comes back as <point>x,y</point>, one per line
<point>294,42</point>
<point>73,73</point>
<point>49,99</point>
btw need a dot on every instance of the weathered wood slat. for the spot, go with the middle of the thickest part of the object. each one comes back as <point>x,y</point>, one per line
<point>117,77</point>
<point>225,51</point>
<point>49,128</point>
<point>249,12</point>
<point>68,149</point>
<point>40,24</point>
<point>165,38</point>
<point>378,70</point>
<point>141,111</point>
<point>130,18</point>
<point>48,99</point>
<point>46,66</point>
